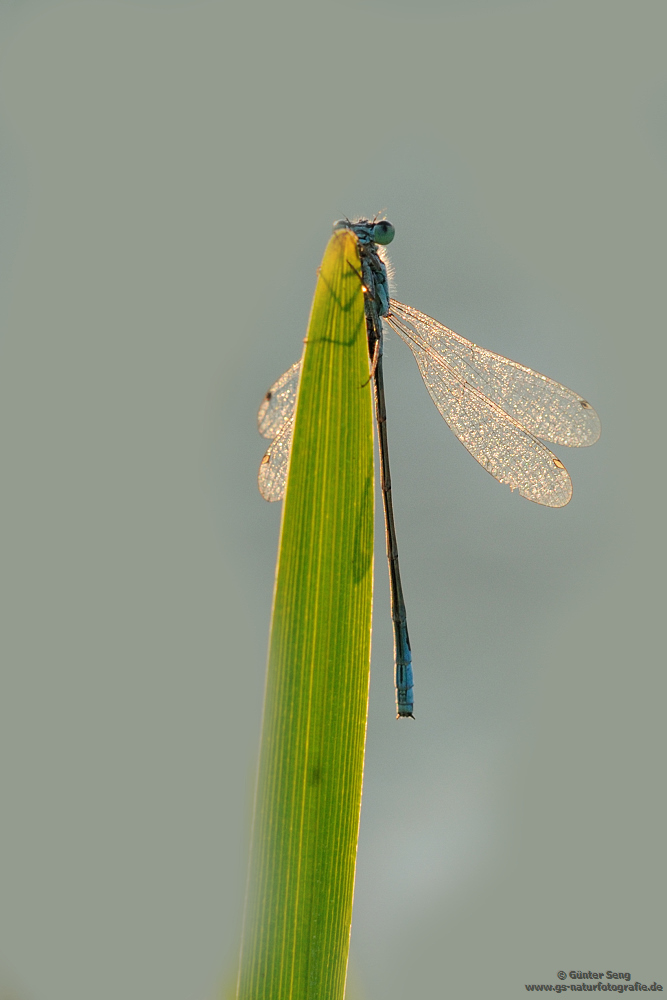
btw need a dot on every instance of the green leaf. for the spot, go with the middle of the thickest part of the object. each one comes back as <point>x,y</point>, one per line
<point>299,907</point>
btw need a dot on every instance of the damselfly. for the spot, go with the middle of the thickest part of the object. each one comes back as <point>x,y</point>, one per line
<point>498,409</point>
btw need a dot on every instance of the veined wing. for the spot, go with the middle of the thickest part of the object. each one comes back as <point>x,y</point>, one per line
<point>273,469</point>
<point>279,402</point>
<point>545,408</point>
<point>508,450</point>
<point>275,420</point>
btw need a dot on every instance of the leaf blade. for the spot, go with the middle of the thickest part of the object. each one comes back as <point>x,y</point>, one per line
<point>297,925</point>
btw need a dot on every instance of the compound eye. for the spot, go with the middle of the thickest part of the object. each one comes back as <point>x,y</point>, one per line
<point>341,224</point>
<point>383,233</point>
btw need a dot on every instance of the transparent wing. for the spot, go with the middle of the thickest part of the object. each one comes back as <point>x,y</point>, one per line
<point>278,404</point>
<point>276,421</point>
<point>273,469</point>
<point>545,408</point>
<point>464,392</point>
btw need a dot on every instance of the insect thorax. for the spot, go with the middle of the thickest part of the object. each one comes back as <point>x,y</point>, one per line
<point>374,272</point>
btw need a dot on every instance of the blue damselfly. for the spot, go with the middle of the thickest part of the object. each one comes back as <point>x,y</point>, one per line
<point>499,410</point>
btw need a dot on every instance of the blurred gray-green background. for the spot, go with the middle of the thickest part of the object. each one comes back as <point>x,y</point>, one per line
<point>169,173</point>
